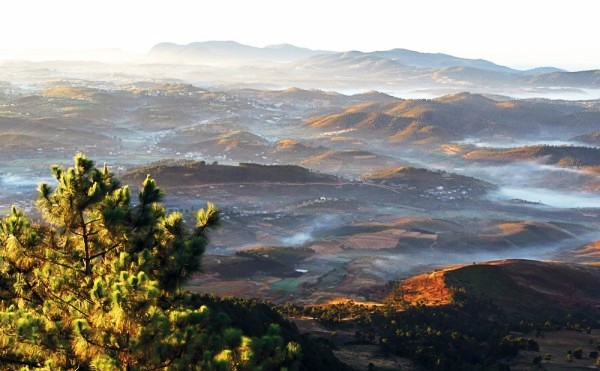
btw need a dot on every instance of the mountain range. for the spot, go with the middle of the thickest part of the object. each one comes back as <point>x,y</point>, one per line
<point>220,51</point>
<point>285,64</point>
<point>207,51</point>
<point>456,117</point>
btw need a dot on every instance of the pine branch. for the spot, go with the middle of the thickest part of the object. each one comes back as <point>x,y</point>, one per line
<point>105,251</point>
<point>19,361</point>
<point>56,297</point>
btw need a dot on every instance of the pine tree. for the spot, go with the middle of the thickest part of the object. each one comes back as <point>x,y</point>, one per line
<point>98,284</point>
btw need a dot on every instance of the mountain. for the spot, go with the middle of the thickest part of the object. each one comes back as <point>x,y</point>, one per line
<point>352,61</point>
<point>386,60</point>
<point>234,144</point>
<point>12,143</point>
<point>200,173</point>
<point>349,161</point>
<point>458,116</point>
<point>438,67</point>
<point>589,79</point>
<point>437,60</point>
<point>290,150</point>
<point>551,155</point>
<point>591,138</point>
<point>288,65</point>
<point>228,52</point>
<point>542,70</point>
<point>588,253</point>
<point>295,96</point>
<point>522,287</point>
<point>417,177</point>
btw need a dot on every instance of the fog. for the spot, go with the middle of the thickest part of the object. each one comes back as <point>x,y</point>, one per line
<point>570,94</point>
<point>320,223</point>
<point>19,181</point>
<point>520,143</point>
<point>550,185</point>
<point>535,182</point>
<point>403,265</point>
<point>549,197</point>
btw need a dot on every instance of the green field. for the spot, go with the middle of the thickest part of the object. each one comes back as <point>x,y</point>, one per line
<point>288,285</point>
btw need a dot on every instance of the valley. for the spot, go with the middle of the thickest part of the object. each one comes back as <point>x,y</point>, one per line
<point>331,174</point>
<point>330,200</point>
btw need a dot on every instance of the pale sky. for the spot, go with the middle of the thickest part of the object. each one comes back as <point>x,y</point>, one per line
<point>517,33</point>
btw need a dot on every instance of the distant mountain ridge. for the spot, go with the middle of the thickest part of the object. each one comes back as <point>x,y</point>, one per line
<point>215,50</point>
<point>283,63</point>
<point>218,51</point>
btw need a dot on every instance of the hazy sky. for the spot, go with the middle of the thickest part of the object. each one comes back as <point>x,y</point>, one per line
<point>519,33</point>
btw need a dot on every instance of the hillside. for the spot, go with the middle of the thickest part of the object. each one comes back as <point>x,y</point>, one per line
<point>22,142</point>
<point>350,161</point>
<point>198,173</point>
<point>456,117</point>
<point>293,150</point>
<point>523,287</point>
<point>551,155</point>
<point>319,98</point>
<point>579,79</point>
<point>591,138</point>
<point>423,236</point>
<point>437,60</point>
<point>417,177</point>
<point>588,253</point>
<point>342,157</point>
<point>234,143</point>
<point>352,61</point>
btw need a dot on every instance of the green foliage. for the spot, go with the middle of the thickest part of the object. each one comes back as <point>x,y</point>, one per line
<point>470,333</point>
<point>97,285</point>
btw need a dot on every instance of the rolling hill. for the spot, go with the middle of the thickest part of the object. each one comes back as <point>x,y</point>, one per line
<point>522,287</point>
<point>458,116</point>
<point>199,173</point>
<point>588,253</point>
<point>350,161</point>
<point>22,142</point>
<point>552,155</point>
<point>421,237</point>
<point>579,79</point>
<point>234,143</point>
<point>295,96</point>
<point>591,138</point>
<point>290,150</point>
<point>418,177</point>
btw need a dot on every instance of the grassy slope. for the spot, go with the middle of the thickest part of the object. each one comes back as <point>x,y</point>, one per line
<point>521,287</point>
